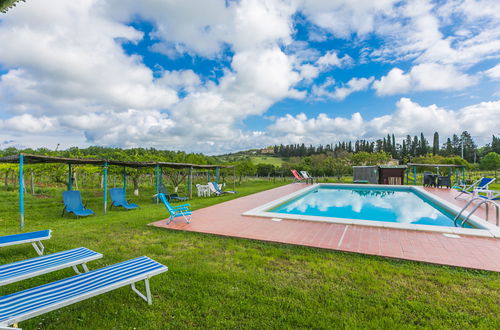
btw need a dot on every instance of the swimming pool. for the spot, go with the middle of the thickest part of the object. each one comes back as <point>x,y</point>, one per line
<point>373,204</point>
<point>403,207</point>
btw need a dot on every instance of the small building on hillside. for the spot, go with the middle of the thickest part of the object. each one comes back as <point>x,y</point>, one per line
<point>268,150</point>
<point>379,174</point>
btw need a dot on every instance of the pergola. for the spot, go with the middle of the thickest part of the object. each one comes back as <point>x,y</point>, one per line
<point>23,159</point>
<point>450,168</point>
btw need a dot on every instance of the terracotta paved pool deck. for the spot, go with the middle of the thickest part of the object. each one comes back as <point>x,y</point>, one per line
<point>226,219</point>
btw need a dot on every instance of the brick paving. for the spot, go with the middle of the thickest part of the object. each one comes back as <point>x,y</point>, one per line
<point>226,219</point>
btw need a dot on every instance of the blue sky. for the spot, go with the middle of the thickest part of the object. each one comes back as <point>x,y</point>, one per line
<point>220,76</point>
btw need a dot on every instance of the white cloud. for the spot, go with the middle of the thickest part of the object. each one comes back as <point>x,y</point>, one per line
<point>423,77</point>
<point>344,17</point>
<point>69,60</point>
<point>340,93</point>
<point>331,59</point>
<point>65,71</point>
<point>395,82</point>
<point>29,123</point>
<point>494,72</point>
<point>408,118</point>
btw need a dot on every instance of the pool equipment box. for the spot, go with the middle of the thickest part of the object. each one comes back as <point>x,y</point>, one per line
<point>379,174</point>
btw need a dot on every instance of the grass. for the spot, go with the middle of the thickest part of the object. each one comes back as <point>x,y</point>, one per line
<point>220,282</point>
<point>276,161</point>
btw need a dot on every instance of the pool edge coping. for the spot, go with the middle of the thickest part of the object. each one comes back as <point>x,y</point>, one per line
<point>488,230</point>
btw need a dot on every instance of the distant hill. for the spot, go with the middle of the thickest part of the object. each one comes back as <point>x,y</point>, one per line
<point>255,155</point>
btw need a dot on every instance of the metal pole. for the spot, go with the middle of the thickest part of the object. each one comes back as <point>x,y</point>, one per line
<point>70,178</point>
<point>124,178</point>
<point>208,176</point>
<point>21,191</point>
<point>415,175</point>
<point>105,186</point>
<point>157,172</point>
<point>217,175</point>
<point>463,175</point>
<point>407,172</point>
<point>161,175</point>
<point>190,180</point>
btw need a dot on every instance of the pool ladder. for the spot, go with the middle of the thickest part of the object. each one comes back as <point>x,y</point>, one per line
<point>483,201</point>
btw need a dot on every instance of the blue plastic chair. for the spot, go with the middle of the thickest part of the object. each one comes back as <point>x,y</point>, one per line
<point>218,192</point>
<point>73,204</point>
<point>118,199</point>
<point>170,197</point>
<point>176,211</point>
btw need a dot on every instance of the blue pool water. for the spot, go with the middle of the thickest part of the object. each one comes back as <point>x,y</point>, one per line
<point>381,204</point>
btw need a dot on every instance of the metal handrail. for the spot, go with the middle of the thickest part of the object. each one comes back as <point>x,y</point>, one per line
<point>463,209</point>
<point>483,201</point>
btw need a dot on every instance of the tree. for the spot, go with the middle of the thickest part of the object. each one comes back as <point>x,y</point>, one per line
<point>495,144</point>
<point>448,148</point>
<point>490,162</point>
<point>340,164</point>
<point>265,169</point>
<point>435,144</point>
<point>414,147</point>
<point>422,146</point>
<point>245,167</point>
<point>469,147</point>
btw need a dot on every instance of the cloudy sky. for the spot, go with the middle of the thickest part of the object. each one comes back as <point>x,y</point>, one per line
<point>215,76</point>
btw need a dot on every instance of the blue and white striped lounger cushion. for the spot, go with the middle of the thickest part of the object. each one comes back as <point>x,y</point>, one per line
<point>25,237</point>
<point>29,303</point>
<point>24,269</point>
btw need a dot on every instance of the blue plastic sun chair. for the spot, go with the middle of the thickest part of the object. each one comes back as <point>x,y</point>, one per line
<point>24,269</point>
<point>73,204</point>
<point>476,187</point>
<point>494,196</point>
<point>214,187</point>
<point>177,210</point>
<point>170,197</point>
<point>35,238</point>
<point>118,199</point>
<point>29,303</point>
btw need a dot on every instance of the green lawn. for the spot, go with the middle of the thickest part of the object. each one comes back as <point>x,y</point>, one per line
<point>276,161</point>
<point>220,282</point>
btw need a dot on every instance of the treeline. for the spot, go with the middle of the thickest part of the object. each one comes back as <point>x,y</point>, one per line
<point>404,150</point>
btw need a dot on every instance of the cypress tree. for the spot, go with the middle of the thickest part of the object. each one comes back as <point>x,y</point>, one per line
<point>435,144</point>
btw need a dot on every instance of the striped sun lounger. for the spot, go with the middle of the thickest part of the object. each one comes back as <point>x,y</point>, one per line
<point>24,269</point>
<point>29,303</point>
<point>35,238</point>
